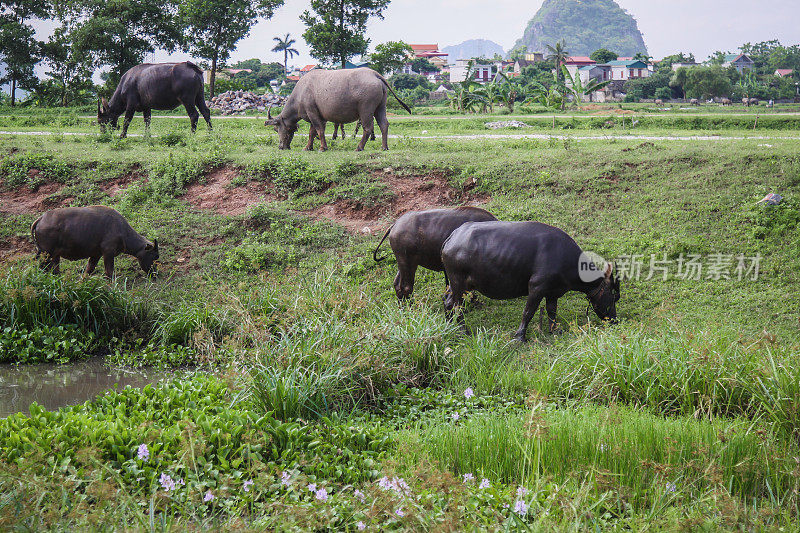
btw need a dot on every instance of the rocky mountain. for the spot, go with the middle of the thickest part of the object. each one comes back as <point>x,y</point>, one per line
<point>585,25</point>
<point>473,48</point>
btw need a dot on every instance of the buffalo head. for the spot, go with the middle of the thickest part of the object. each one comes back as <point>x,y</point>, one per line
<point>604,298</point>
<point>285,128</point>
<point>147,257</point>
<point>104,115</point>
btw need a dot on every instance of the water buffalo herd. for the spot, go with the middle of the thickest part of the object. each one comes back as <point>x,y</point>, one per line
<point>477,252</point>
<point>321,96</point>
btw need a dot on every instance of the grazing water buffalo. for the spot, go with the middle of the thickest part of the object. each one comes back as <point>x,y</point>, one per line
<point>754,101</point>
<point>659,102</point>
<point>505,260</point>
<point>746,101</point>
<point>338,96</point>
<point>156,86</point>
<point>90,232</point>
<point>726,101</point>
<point>416,239</point>
<point>694,101</point>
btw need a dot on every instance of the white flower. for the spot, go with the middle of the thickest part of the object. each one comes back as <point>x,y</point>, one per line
<point>484,484</point>
<point>468,393</point>
<point>520,507</point>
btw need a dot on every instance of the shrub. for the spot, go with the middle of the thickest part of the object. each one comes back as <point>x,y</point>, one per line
<point>59,344</point>
<point>33,169</point>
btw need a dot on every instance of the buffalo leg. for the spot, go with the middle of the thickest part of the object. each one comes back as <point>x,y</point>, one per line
<point>404,281</point>
<point>146,115</point>
<point>383,124</point>
<point>51,264</point>
<point>125,123</point>
<point>531,306</point>
<point>358,127</point>
<point>91,265</point>
<point>312,133</point>
<point>193,115</point>
<point>454,304</point>
<point>201,105</point>
<point>323,144</point>
<point>552,305</point>
<point>108,263</point>
<point>369,128</point>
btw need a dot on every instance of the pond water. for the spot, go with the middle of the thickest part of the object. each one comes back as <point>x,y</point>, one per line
<point>55,386</point>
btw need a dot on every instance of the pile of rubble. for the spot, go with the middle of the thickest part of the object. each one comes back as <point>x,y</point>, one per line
<point>237,102</point>
<point>506,124</point>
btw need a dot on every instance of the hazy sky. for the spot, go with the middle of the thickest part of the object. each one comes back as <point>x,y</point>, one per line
<point>697,26</point>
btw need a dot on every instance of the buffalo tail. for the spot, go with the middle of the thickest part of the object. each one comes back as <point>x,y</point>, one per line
<point>394,94</point>
<point>375,253</point>
<point>33,236</point>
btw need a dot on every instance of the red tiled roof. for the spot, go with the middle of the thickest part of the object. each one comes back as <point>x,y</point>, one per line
<point>425,47</point>
<point>580,59</point>
<point>784,72</point>
<point>293,78</point>
<point>307,68</point>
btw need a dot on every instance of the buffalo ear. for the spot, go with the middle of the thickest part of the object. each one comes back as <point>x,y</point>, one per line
<point>105,105</point>
<point>148,247</point>
<point>608,271</point>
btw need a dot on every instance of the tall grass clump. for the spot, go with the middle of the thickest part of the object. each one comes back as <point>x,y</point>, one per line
<point>706,373</point>
<point>31,298</point>
<point>639,455</point>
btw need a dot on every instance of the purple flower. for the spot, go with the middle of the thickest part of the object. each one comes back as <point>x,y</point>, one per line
<point>397,484</point>
<point>455,416</point>
<point>360,495</point>
<point>208,497</point>
<point>247,484</point>
<point>671,487</point>
<point>468,477</point>
<point>361,526</point>
<point>312,487</point>
<point>143,453</point>
<point>167,483</point>
<point>521,491</point>
<point>322,495</point>
<point>468,393</point>
<point>484,484</point>
<point>285,481</point>
<point>400,513</point>
<point>520,507</point>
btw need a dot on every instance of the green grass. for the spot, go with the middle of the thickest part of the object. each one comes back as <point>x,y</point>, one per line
<point>697,387</point>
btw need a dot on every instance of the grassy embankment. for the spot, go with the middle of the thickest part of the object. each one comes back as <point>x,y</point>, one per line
<point>685,415</point>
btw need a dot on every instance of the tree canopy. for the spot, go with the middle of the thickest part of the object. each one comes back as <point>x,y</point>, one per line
<point>390,56</point>
<point>335,28</point>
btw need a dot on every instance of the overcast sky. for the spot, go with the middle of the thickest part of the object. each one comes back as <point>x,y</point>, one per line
<point>697,26</point>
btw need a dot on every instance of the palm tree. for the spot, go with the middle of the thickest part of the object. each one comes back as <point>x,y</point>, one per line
<point>285,45</point>
<point>559,54</point>
<point>578,90</point>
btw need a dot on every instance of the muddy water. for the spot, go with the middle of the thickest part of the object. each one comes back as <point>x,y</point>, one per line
<point>54,386</point>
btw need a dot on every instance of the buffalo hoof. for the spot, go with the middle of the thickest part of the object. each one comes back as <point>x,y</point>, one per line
<point>323,149</point>
<point>520,339</point>
<point>359,149</point>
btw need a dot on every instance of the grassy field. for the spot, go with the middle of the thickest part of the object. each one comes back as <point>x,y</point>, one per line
<point>327,406</point>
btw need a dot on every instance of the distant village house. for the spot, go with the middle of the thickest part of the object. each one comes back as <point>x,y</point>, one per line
<point>741,61</point>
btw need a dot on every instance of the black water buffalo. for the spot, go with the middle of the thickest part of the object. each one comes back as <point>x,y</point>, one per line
<point>338,96</point>
<point>156,86</point>
<point>416,239</point>
<point>90,232</point>
<point>505,260</point>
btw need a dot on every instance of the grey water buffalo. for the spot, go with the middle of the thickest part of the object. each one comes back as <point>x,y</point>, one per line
<point>416,239</point>
<point>336,127</point>
<point>505,260</point>
<point>338,96</point>
<point>746,101</point>
<point>754,101</point>
<point>726,101</point>
<point>694,101</point>
<point>659,102</point>
<point>92,232</point>
<point>156,86</point>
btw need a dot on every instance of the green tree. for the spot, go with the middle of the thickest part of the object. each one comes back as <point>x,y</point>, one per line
<point>705,82</point>
<point>558,54</point>
<point>121,33</point>
<point>421,64</point>
<point>335,28</point>
<point>70,69</point>
<point>576,87</point>
<point>668,61</point>
<point>285,45</point>
<point>679,79</point>
<point>19,51</point>
<point>215,26</point>
<point>390,56</point>
<point>603,55</point>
